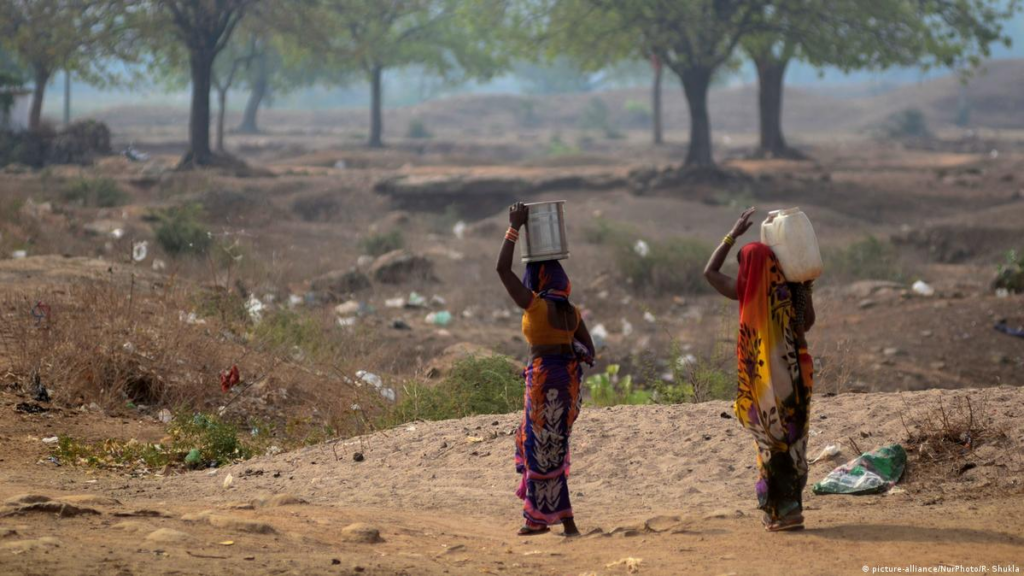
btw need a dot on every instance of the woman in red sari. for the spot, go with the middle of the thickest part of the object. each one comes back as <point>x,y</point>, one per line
<point>559,345</point>
<point>775,372</point>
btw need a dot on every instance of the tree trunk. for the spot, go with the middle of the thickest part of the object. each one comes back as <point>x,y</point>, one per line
<point>222,101</point>
<point>376,120</point>
<point>656,101</point>
<point>67,97</point>
<point>199,153</point>
<point>256,95</point>
<point>770,77</point>
<point>35,114</point>
<point>696,81</point>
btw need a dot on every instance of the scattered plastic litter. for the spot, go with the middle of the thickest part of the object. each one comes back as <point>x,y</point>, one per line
<point>394,303</point>
<point>140,250</point>
<point>1003,327</point>
<point>415,301</point>
<point>826,452</point>
<point>686,360</point>
<point>165,416</point>
<point>459,229</point>
<point>229,379</point>
<point>50,440</point>
<point>436,300</point>
<point>30,408</point>
<point>388,394</point>
<point>255,309</point>
<point>1002,293</point>
<point>399,324</point>
<point>370,378</point>
<point>648,317</point>
<point>19,254</point>
<point>643,249</point>
<point>600,335</point>
<point>133,154</point>
<point>441,318</point>
<point>117,233</point>
<point>190,318</point>
<point>193,458</point>
<point>922,288</point>
<point>347,309</point>
<point>159,265</point>
<point>627,328</point>
<point>348,322</point>
<point>228,480</point>
<point>294,300</point>
<point>869,473</point>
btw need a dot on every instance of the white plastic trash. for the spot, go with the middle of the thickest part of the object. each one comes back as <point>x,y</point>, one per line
<point>922,288</point>
<point>642,248</point>
<point>791,237</point>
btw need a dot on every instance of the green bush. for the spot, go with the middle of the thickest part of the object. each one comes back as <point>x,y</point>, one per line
<point>674,266</point>
<point>380,244</point>
<point>285,330</point>
<point>180,231</point>
<point>418,130</point>
<point>609,389</point>
<point>96,192</point>
<point>867,259</point>
<point>476,385</point>
<point>1010,275</point>
<point>196,440</point>
<point>910,123</point>
<point>596,117</point>
<point>639,113</point>
<point>557,147</point>
<point>699,378</point>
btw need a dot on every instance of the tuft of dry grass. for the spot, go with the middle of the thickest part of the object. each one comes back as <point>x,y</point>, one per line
<point>941,438</point>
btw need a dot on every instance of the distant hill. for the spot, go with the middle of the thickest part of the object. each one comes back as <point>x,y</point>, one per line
<point>994,97</point>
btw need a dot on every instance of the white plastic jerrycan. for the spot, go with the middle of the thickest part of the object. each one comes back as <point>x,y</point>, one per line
<point>790,235</point>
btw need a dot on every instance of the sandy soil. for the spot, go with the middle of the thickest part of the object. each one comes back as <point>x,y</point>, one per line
<point>671,486</point>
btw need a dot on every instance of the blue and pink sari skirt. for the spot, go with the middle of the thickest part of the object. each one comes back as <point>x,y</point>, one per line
<point>552,403</point>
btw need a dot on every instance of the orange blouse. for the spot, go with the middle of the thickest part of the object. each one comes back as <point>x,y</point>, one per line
<point>537,327</point>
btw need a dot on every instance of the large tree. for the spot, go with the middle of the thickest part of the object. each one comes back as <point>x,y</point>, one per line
<point>859,34</point>
<point>445,37</point>
<point>46,36</point>
<point>693,38</point>
<point>202,28</point>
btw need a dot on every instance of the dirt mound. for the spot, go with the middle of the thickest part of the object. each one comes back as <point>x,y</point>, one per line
<point>646,459</point>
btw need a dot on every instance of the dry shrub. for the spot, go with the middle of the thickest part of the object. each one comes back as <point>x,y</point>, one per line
<point>941,438</point>
<point>122,344</point>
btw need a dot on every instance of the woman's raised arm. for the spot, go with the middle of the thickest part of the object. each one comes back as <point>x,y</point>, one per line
<point>521,295</point>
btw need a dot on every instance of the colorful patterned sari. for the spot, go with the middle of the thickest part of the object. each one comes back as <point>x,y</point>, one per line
<point>775,382</point>
<point>552,403</point>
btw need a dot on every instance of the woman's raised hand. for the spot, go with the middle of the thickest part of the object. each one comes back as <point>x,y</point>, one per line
<point>518,213</point>
<point>744,223</point>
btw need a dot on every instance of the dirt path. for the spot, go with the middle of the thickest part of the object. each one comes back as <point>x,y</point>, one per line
<point>669,485</point>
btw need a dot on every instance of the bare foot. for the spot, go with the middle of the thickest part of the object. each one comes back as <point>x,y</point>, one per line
<point>529,530</point>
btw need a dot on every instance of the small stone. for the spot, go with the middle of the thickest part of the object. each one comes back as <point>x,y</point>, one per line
<point>723,513</point>
<point>240,524</point>
<point>662,523</point>
<point>26,499</point>
<point>335,561</point>
<point>278,500</point>
<point>61,509</point>
<point>228,481</point>
<point>866,303</point>
<point>892,351</point>
<point>22,546</point>
<point>361,533</point>
<point>91,500</point>
<point>358,457</point>
<point>939,365</point>
<point>131,526</point>
<point>168,536</point>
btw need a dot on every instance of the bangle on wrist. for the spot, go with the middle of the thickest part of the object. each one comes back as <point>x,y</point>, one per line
<point>729,240</point>
<point>512,235</point>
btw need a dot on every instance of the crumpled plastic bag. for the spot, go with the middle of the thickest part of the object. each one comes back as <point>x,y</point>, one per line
<point>869,473</point>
